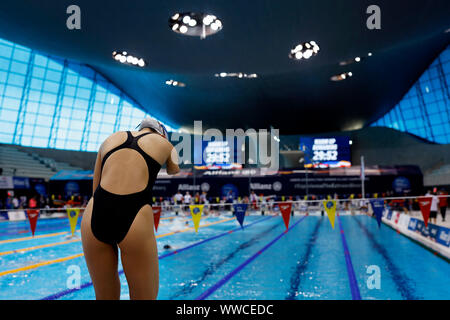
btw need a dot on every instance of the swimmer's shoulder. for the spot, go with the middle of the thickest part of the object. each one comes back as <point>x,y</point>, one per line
<point>155,138</point>
<point>114,140</point>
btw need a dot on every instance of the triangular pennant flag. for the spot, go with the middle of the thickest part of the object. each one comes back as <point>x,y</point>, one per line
<point>156,216</point>
<point>239,212</point>
<point>285,209</point>
<point>33,216</point>
<point>330,208</point>
<point>196,212</point>
<point>377,207</point>
<point>73,218</point>
<point>425,206</point>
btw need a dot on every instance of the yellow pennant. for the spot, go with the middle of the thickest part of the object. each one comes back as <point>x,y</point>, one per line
<point>73,218</point>
<point>196,212</point>
<point>330,208</point>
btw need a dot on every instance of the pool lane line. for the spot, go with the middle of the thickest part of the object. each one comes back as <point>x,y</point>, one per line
<point>213,266</point>
<point>402,282</point>
<point>213,238</point>
<point>58,243</point>
<point>87,284</point>
<point>40,229</point>
<point>356,295</point>
<point>35,237</point>
<point>37,265</point>
<point>38,247</point>
<point>64,224</point>
<point>193,228</point>
<point>227,277</point>
<point>302,264</point>
<point>44,263</point>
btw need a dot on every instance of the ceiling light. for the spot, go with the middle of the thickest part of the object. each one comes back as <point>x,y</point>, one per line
<point>174,83</point>
<point>124,57</point>
<point>304,50</point>
<point>240,75</point>
<point>186,19</point>
<point>195,24</point>
<point>357,59</point>
<point>342,76</point>
<point>214,26</point>
<point>369,54</point>
<point>207,20</point>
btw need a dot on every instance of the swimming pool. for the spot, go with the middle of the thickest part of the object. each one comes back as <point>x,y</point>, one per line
<point>222,261</point>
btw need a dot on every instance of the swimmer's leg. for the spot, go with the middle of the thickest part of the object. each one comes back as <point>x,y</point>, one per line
<point>101,259</point>
<point>139,256</point>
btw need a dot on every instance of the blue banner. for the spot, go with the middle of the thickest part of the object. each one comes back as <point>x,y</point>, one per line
<point>440,234</point>
<point>378,207</point>
<point>239,211</point>
<point>389,215</point>
<point>21,183</point>
<point>4,215</point>
<point>443,236</point>
<point>433,231</point>
<point>412,224</point>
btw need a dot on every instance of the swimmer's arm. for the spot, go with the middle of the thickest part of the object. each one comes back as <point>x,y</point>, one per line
<point>172,162</point>
<point>97,172</point>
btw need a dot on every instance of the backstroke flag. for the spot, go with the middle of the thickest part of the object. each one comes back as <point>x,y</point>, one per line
<point>239,211</point>
<point>425,206</point>
<point>377,207</point>
<point>285,209</point>
<point>156,216</point>
<point>196,212</point>
<point>330,208</point>
<point>33,216</point>
<point>73,218</point>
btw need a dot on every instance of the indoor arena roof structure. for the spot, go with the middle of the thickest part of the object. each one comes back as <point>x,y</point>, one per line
<point>253,45</point>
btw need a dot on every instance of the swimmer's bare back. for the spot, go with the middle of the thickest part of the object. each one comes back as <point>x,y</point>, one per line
<point>125,171</point>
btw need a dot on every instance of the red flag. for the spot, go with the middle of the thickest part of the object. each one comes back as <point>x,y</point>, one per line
<point>285,209</point>
<point>33,215</point>
<point>156,216</point>
<point>425,206</point>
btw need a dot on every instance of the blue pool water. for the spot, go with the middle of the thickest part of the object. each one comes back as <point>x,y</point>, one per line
<point>260,261</point>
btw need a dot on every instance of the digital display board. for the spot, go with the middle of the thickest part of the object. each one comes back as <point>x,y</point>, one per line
<point>220,155</point>
<point>332,152</point>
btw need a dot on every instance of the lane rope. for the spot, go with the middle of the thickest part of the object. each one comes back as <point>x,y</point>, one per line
<point>227,277</point>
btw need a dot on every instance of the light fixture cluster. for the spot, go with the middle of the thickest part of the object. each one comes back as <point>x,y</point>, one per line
<point>174,83</point>
<point>236,75</point>
<point>304,50</point>
<point>195,24</point>
<point>342,76</point>
<point>356,59</point>
<point>126,58</point>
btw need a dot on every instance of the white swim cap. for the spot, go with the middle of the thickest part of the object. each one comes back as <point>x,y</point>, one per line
<point>155,125</point>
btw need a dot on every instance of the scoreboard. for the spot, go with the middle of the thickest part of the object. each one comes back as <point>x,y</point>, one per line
<point>219,154</point>
<point>329,152</point>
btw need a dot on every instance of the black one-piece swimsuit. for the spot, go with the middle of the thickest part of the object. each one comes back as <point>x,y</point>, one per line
<point>113,214</point>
